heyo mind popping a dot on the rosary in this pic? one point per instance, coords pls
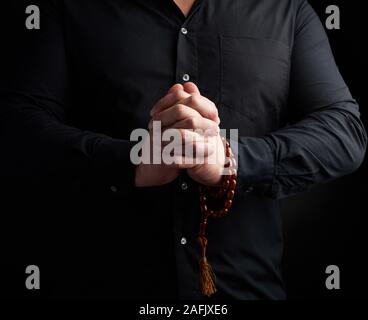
(225, 195)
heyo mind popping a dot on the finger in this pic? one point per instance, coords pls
(203, 105)
(180, 162)
(188, 143)
(176, 113)
(201, 125)
(184, 162)
(176, 87)
(169, 100)
(191, 88)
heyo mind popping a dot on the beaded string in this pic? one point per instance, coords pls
(225, 193)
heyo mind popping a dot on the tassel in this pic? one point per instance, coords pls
(206, 274)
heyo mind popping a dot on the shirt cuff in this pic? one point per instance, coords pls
(256, 165)
(111, 162)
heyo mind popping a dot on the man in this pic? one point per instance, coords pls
(95, 71)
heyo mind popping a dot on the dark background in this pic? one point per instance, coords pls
(326, 225)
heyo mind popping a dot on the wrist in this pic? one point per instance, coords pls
(138, 179)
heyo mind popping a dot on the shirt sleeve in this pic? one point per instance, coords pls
(326, 138)
(35, 139)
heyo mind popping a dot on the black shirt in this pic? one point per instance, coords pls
(91, 74)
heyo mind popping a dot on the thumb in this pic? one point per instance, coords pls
(191, 88)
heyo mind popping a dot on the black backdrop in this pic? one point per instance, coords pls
(326, 225)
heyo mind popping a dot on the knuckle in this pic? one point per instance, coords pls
(180, 109)
(215, 127)
(195, 99)
(213, 108)
(192, 122)
(178, 95)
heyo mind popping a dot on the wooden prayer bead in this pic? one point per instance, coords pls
(232, 184)
(228, 204)
(230, 195)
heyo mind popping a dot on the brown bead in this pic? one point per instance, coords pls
(230, 195)
(228, 204)
(232, 183)
(226, 184)
(215, 215)
(221, 213)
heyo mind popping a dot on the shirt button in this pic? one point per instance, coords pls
(184, 186)
(183, 241)
(184, 31)
(114, 189)
(186, 77)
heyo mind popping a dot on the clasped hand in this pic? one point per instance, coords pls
(197, 121)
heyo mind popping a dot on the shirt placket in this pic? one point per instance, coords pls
(186, 60)
(186, 63)
(185, 226)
